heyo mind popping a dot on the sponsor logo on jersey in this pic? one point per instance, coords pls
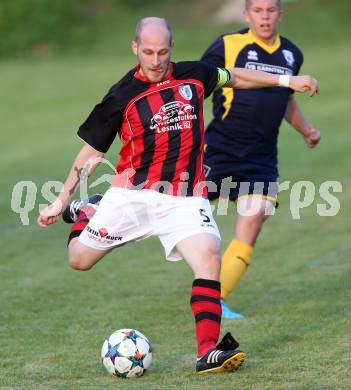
(163, 83)
(289, 56)
(268, 68)
(103, 232)
(185, 91)
(252, 55)
(173, 116)
(102, 235)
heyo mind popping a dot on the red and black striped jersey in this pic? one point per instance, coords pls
(161, 127)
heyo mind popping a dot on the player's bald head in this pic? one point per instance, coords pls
(248, 3)
(152, 25)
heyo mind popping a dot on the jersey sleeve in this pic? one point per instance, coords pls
(215, 53)
(299, 63)
(102, 125)
(211, 76)
(297, 68)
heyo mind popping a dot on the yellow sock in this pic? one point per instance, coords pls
(235, 261)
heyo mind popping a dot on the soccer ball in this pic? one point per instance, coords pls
(126, 353)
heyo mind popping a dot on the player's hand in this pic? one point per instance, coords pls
(304, 84)
(50, 214)
(312, 137)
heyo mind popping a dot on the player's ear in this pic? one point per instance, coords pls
(281, 15)
(171, 48)
(134, 47)
(246, 16)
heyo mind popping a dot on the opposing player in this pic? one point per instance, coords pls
(159, 188)
(242, 138)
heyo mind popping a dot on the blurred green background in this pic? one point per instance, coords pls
(86, 27)
(57, 59)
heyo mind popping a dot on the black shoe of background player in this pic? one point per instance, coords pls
(224, 358)
(71, 213)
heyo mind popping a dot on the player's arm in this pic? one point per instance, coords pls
(296, 119)
(241, 78)
(84, 165)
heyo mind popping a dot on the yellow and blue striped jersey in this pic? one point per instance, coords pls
(246, 123)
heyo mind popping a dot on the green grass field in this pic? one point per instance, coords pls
(295, 298)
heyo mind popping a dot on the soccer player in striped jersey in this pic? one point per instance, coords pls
(241, 140)
(159, 189)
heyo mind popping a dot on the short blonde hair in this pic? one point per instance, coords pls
(248, 3)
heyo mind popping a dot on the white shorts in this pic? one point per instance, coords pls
(128, 215)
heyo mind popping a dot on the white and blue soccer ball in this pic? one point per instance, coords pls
(127, 353)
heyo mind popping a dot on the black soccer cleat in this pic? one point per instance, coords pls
(224, 358)
(71, 212)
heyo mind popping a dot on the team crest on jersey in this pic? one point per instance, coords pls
(289, 56)
(252, 55)
(185, 91)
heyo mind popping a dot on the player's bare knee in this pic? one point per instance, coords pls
(78, 262)
(255, 208)
(210, 251)
(212, 260)
(259, 218)
(215, 257)
(206, 263)
(252, 224)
